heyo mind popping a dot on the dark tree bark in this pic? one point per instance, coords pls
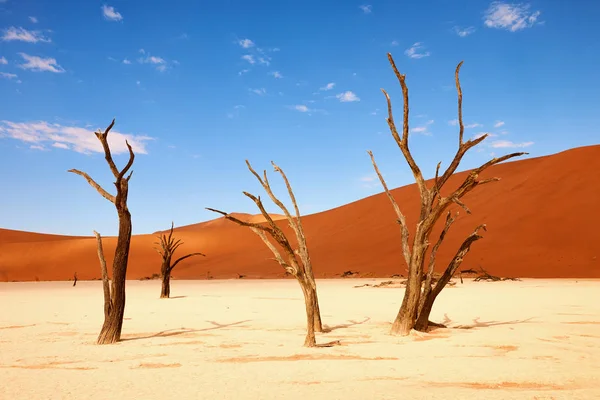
(75, 279)
(167, 248)
(296, 262)
(114, 298)
(433, 205)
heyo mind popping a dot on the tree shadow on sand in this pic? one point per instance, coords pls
(177, 297)
(327, 328)
(181, 331)
(479, 324)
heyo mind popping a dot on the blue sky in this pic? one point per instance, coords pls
(198, 87)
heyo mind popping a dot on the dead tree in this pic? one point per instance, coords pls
(301, 270)
(114, 299)
(417, 303)
(75, 279)
(168, 245)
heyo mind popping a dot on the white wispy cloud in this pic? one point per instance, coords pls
(160, 63)
(3, 61)
(81, 140)
(301, 108)
(33, 20)
(512, 17)
(347, 96)
(305, 109)
(416, 51)
(395, 43)
(246, 43)
(366, 8)
(8, 75)
(39, 64)
(329, 86)
(498, 124)
(260, 92)
(249, 58)
(453, 122)
(264, 60)
(126, 61)
(242, 72)
(276, 74)
(464, 32)
(24, 35)
(507, 144)
(110, 13)
(423, 129)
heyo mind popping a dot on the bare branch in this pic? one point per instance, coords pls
(292, 269)
(107, 155)
(461, 204)
(463, 148)
(105, 280)
(402, 81)
(449, 221)
(95, 185)
(129, 163)
(483, 182)
(459, 91)
(296, 224)
(399, 214)
(458, 259)
(238, 221)
(183, 258)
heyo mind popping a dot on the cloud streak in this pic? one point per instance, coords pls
(511, 17)
(39, 134)
(347, 97)
(366, 8)
(416, 51)
(464, 32)
(24, 35)
(39, 64)
(111, 14)
(507, 144)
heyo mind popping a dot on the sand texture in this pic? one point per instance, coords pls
(242, 339)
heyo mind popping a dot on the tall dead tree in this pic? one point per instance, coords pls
(167, 248)
(114, 298)
(420, 294)
(300, 269)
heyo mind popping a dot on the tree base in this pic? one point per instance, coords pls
(109, 335)
(401, 328)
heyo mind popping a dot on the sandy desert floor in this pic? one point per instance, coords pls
(238, 339)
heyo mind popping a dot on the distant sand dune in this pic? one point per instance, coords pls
(543, 221)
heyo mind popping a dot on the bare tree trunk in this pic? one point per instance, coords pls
(165, 291)
(75, 279)
(302, 270)
(312, 285)
(422, 323)
(310, 303)
(111, 329)
(114, 300)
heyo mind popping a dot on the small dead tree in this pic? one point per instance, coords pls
(168, 245)
(75, 279)
(420, 294)
(114, 299)
(301, 270)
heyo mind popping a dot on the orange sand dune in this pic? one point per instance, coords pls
(543, 220)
